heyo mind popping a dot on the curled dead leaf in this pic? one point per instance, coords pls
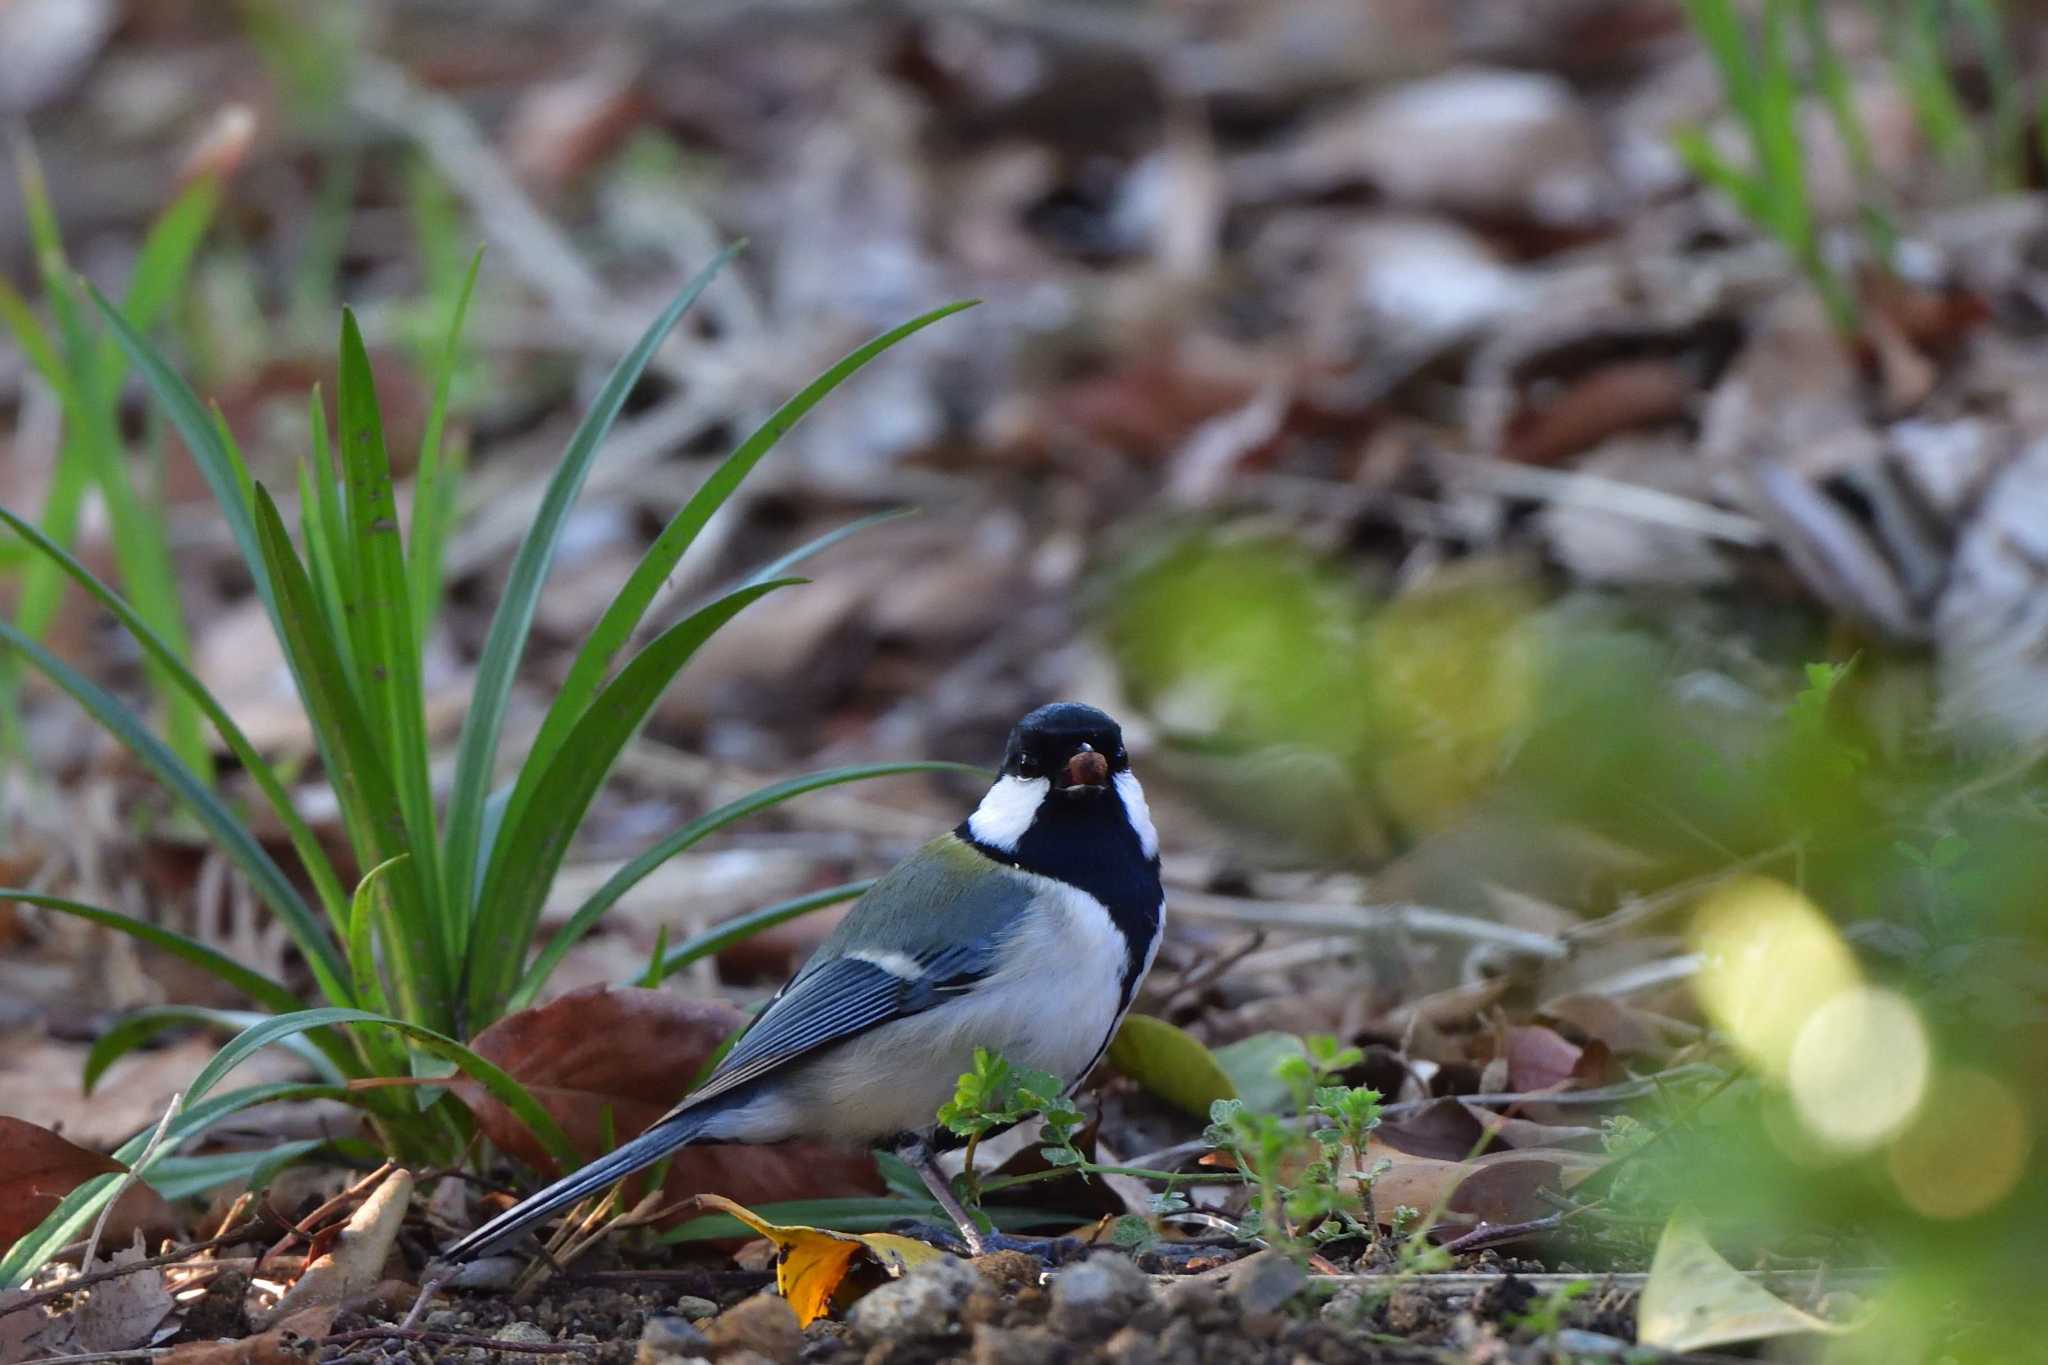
(811, 1264)
(625, 1055)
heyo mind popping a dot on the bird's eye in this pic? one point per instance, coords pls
(1027, 765)
(1122, 756)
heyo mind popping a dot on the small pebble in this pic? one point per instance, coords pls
(669, 1340)
(693, 1308)
(523, 1334)
(1018, 1346)
(924, 1303)
(763, 1324)
(1263, 1283)
(1096, 1296)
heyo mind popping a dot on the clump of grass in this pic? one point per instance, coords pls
(84, 367)
(1770, 70)
(437, 940)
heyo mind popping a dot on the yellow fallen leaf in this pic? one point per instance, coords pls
(1695, 1299)
(811, 1263)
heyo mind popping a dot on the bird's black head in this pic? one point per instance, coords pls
(1079, 748)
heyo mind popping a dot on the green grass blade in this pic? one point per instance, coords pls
(629, 876)
(202, 438)
(31, 336)
(538, 827)
(162, 267)
(776, 568)
(355, 768)
(872, 1213)
(371, 906)
(311, 854)
(431, 503)
(77, 1210)
(495, 1081)
(182, 1177)
(227, 829)
(740, 928)
(330, 550)
(1837, 90)
(2007, 136)
(1711, 168)
(262, 989)
(139, 1026)
(1719, 26)
(477, 750)
(622, 617)
(389, 671)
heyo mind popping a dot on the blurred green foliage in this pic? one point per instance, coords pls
(1477, 714)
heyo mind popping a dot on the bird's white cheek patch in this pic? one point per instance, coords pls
(1137, 812)
(1007, 811)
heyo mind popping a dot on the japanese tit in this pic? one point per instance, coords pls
(1025, 930)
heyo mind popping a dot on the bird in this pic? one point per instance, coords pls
(1025, 930)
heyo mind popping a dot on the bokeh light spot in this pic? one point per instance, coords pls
(1965, 1149)
(1770, 960)
(1859, 1067)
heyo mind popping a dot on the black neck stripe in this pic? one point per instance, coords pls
(1087, 842)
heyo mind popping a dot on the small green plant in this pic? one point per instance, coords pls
(995, 1095)
(1307, 1188)
(437, 939)
(1546, 1317)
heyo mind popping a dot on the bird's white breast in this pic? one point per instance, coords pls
(1049, 1005)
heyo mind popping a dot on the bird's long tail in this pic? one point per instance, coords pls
(677, 1130)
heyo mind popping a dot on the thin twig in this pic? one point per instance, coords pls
(306, 1227)
(434, 1338)
(1202, 975)
(172, 1257)
(133, 1174)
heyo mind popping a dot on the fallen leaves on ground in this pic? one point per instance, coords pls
(608, 1061)
(1500, 1187)
(811, 1264)
(37, 1169)
(1695, 1299)
(121, 1314)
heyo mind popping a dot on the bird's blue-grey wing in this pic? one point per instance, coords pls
(934, 926)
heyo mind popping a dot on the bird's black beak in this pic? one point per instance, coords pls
(1085, 771)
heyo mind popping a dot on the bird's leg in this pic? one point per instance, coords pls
(918, 1153)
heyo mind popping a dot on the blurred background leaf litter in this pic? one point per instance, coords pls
(1555, 491)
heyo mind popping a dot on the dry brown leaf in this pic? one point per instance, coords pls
(291, 1342)
(1626, 1030)
(37, 1169)
(1539, 1058)
(632, 1053)
(1498, 1188)
(1615, 398)
(120, 1314)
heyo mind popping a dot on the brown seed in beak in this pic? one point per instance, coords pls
(1087, 769)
